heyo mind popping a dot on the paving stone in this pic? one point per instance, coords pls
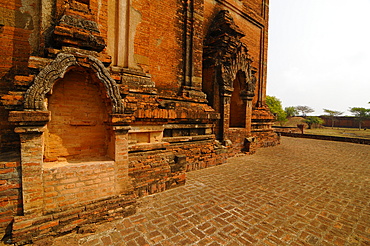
(303, 192)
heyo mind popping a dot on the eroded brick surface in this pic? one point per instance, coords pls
(303, 192)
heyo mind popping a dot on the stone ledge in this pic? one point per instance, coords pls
(188, 138)
(324, 137)
(183, 126)
(147, 146)
(31, 117)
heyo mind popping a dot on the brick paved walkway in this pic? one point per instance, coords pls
(303, 192)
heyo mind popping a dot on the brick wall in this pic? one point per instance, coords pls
(158, 47)
(10, 190)
(154, 171)
(256, 5)
(28, 229)
(262, 121)
(200, 154)
(73, 184)
(237, 137)
(266, 139)
(350, 122)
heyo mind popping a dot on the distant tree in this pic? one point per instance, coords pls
(332, 114)
(304, 110)
(361, 114)
(291, 111)
(276, 108)
(313, 120)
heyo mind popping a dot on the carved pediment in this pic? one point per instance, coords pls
(77, 28)
(224, 50)
(223, 40)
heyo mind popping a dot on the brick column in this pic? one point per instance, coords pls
(31, 125)
(248, 116)
(225, 116)
(261, 100)
(31, 164)
(120, 139)
(193, 49)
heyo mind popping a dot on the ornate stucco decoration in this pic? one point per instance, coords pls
(225, 52)
(77, 27)
(45, 80)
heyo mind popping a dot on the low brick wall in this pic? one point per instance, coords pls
(31, 228)
(200, 154)
(69, 184)
(266, 139)
(75, 195)
(280, 129)
(155, 171)
(330, 138)
(344, 121)
(237, 139)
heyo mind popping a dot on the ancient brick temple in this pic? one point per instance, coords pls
(104, 101)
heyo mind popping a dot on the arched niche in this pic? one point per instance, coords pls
(80, 95)
(78, 129)
(45, 80)
(237, 104)
(228, 79)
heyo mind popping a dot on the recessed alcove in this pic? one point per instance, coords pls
(78, 129)
(237, 105)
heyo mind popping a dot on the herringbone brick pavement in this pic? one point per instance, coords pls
(303, 192)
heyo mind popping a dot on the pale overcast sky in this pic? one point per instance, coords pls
(319, 53)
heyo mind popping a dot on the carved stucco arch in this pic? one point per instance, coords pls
(45, 80)
(225, 52)
(240, 61)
